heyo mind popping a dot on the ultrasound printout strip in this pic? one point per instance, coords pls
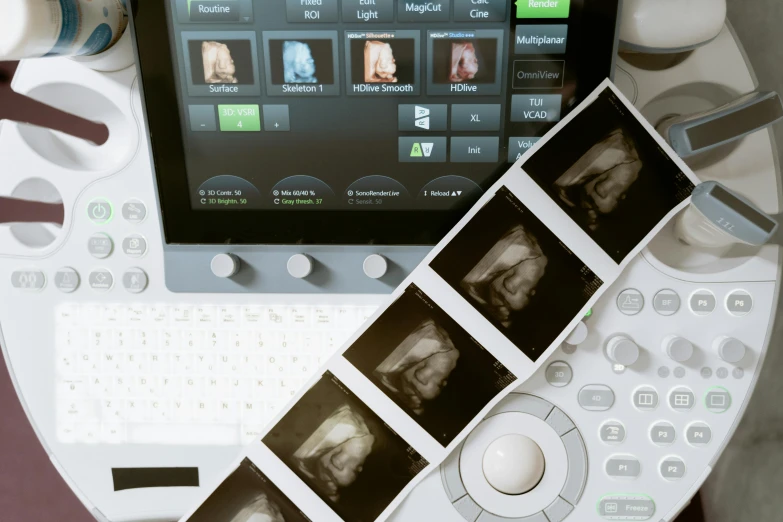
(539, 248)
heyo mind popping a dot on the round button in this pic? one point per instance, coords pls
(559, 374)
(134, 246)
(135, 280)
(134, 211)
(672, 468)
(225, 265)
(679, 372)
(702, 302)
(67, 280)
(663, 434)
(729, 349)
(677, 348)
(100, 211)
(698, 434)
(630, 301)
(681, 399)
(577, 335)
(101, 280)
(100, 246)
(375, 266)
(513, 464)
(739, 303)
(300, 265)
(717, 399)
(666, 302)
(645, 398)
(612, 432)
(622, 350)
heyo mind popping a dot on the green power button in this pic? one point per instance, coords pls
(543, 8)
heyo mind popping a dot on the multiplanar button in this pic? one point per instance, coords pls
(626, 507)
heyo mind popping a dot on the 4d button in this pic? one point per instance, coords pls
(596, 397)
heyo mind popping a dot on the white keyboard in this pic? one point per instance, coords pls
(169, 374)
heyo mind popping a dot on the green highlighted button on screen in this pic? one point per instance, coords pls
(543, 8)
(239, 118)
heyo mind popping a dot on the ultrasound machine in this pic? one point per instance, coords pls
(275, 168)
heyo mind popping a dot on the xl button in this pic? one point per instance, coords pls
(475, 117)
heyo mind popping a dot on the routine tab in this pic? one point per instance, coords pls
(311, 11)
(368, 10)
(215, 11)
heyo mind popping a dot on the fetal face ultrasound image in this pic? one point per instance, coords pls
(343, 451)
(464, 61)
(606, 171)
(221, 62)
(301, 61)
(383, 61)
(418, 356)
(247, 495)
(514, 271)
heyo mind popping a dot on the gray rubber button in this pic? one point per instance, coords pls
(135, 280)
(630, 301)
(738, 373)
(467, 508)
(739, 303)
(623, 467)
(706, 372)
(612, 432)
(101, 280)
(682, 399)
(698, 434)
(679, 372)
(645, 398)
(673, 468)
(99, 211)
(576, 478)
(663, 372)
(663, 434)
(722, 373)
(100, 246)
(134, 211)
(66, 280)
(702, 302)
(134, 246)
(717, 400)
(666, 302)
(626, 507)
(560, 422)
(29, 280)
(559, 374)
(596, 397)
(558, 510)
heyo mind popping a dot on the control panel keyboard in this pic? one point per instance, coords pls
(185, 374)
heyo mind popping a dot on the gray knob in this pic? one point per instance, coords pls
(622, 350)
(729, 349)
(225, 265)
(677, 348)
(375, 266)
(300, 265)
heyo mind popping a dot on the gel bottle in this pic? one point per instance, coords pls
(42, 28)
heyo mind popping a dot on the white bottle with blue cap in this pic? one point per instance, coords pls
(41, 28)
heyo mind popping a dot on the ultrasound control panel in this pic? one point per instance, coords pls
(364, 126)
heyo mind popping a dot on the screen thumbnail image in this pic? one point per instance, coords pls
(383, 61)
(221, 62)
(471, 60)
(301, 61)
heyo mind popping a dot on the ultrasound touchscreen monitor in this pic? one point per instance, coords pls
(353, 121)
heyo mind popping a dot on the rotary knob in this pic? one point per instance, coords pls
(375, 266)
(677, 348)
(225, 265)
(729, 349)
(577, 335)
(300, 265)
(622, 350)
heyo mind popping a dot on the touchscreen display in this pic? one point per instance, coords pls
(369, 104)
